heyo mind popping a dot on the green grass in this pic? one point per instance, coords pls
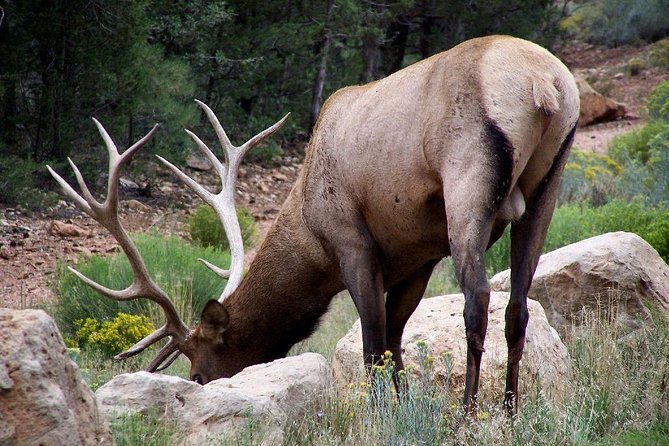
(657, 435)
(577, 221)
(334, 325)
(141, 429)
(172, 264)
(97, 368)
(616, 396)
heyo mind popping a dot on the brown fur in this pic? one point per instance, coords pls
(431, 161)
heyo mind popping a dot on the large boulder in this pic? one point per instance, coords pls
(438, 322)
(43, 399)
(594, 106)
(270, 393)
(617, 275)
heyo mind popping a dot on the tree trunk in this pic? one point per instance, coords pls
(319, 85)
(393, 50)
(8, 115)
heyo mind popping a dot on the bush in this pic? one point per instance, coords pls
(113, 336)
(644, 153)
(207, 230)
(635, 145)
(171, 262)
(658, 103)
(634, 66)
(20, 184)
(575, 222)
(588, 177)
(659, 54)
(620, 22)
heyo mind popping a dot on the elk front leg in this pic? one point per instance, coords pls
(361, 272)
(401, 302)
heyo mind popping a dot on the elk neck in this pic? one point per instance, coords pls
(288, 287)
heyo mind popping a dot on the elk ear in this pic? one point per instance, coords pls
(214, 321)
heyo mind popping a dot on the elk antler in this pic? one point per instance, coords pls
(224, 202)
(142, 286)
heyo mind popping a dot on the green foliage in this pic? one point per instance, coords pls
(658, 103)
(656, 435)
(574, 222)
(659, 54)
(644, 153)
(20, 183)
(619, 22)
(333, 326)
(634, 66)
(140, 428)
(206, 228)
(635, 145)
(171, 262)
(616, 396)
(614, 387)
(588, 177)
(113, 336)
(69, 59)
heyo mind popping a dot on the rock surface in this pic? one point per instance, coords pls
(615, 274)
(438, 321)
(43, 400)
(594, 106)
(271, 393)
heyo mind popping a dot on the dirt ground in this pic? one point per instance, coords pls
(30, 249)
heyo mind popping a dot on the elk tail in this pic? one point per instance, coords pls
(546, 96)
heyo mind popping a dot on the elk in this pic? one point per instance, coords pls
(434, 160)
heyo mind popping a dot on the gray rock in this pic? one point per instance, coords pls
(43, 399)
(616, 275)
(438, 321)
(272, 394)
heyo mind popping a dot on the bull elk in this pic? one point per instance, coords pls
(434, 160)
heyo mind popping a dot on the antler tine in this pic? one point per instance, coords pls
(107, 215)
(223, 203)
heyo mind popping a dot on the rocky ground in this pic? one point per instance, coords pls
(32, 245)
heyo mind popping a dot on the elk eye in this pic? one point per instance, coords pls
(197, 378)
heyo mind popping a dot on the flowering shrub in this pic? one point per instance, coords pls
(113, 336)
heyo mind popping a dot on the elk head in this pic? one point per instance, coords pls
(205, 344)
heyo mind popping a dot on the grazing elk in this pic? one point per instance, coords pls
(434, 160)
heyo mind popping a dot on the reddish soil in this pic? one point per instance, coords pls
(29, 253)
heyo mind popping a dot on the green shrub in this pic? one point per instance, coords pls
(658, 103)
(644, 153)
(207, 230)
(578, 221)
(113, 336)
(634, 66)
(20, 184)
(619, 22)
(635, 145)
(171, 262)
(588, 177)
(266, 152)
(659, 54)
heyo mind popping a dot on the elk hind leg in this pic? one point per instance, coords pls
(469, 235)
(527, 240)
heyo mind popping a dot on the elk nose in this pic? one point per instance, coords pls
(197, 378)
